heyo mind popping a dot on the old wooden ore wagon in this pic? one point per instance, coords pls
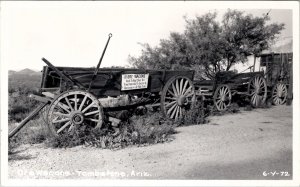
(278, 73)
(82, 97)
(228, 83)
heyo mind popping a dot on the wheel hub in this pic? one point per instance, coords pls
(181, 100)
(223, 98)
(77, 118)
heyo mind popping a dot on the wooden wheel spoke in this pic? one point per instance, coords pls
(222, 91)
(91, 113)
(180, 112)
(60, 120)
(82, 103)
(189, 95)
(171, 109)
(72, 126)
(75, 97)
(174, 112)
(188, 90)
(184, 87)
(174, 90)
(224, 105)
(261, 83)
(169, 91)
(88, 107)
(69, 104)
(91, 119)
(171, 98)
(63, 127)
(253, 98)
(226, 91)
(170, 104)
(177, 113)
(63, 106)
(221, 105)
(257, 82)
(181, 86)
(177, 87)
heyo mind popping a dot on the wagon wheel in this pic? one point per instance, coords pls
(222, 97)
(279, 94)
(178, 95)
(257, 90)
(74, 111)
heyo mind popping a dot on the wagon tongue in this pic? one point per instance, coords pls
(99, 63)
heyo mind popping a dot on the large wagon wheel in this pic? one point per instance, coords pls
(222, 97)
(74, 111)
(178, 95)
(279, 94)
(257, 90)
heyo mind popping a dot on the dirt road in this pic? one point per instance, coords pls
(253, 144)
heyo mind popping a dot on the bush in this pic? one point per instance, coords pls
(195, 115)
(139, 130)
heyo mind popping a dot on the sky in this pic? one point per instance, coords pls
(75, 33)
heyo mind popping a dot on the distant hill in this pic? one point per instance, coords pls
(23, 80)
(28, 72)
(11, 72)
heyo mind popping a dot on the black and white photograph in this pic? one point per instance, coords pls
(149, 93)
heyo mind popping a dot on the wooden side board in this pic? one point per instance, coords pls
(108, 81)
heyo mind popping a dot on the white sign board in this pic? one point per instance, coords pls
(134, 81)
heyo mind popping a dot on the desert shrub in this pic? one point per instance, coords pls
(194, 116)
(138, 130)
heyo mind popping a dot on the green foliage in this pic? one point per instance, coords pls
(210, 46)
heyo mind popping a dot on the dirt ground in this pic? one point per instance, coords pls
(253, 144)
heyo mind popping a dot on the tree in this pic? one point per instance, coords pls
(170, 54)
(211, 46)
(246, 35)
(205, 45)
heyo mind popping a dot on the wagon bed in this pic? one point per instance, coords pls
(108, 81)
